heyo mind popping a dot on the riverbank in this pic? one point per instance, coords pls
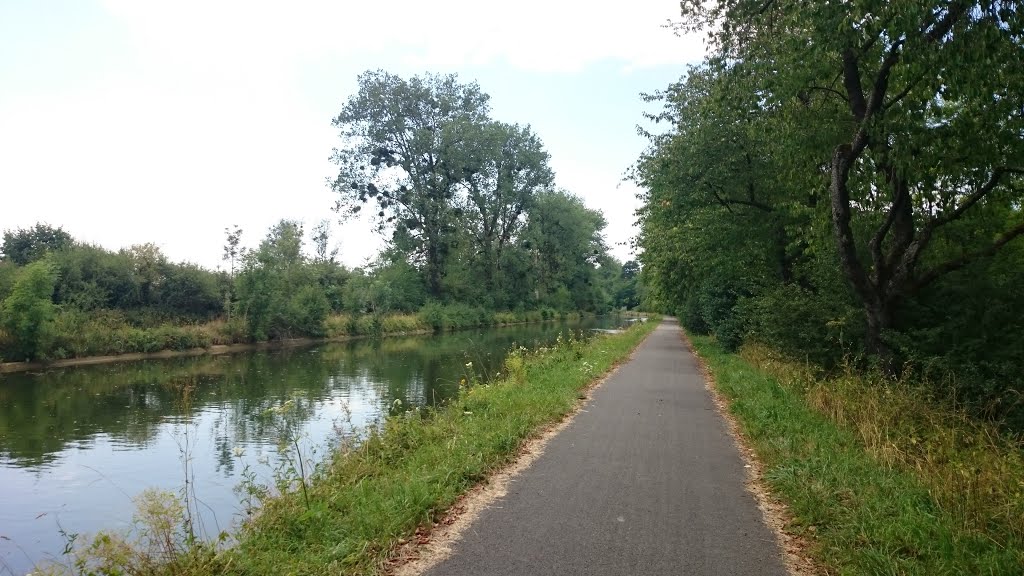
(127, 343)
(877, 476)
(391, 488)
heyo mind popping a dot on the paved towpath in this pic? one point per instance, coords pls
(645, 481)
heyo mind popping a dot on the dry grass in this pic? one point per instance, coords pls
(973, 472)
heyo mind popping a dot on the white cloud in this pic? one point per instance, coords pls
(542, 35)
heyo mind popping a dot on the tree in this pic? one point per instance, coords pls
(26, 245)
(92, 278)
(331, 275)
(277, 288)
(189, 291)
(28, 311)
(231, 254)
(231, 250)
(897, 96)
(722, 218)
(564, 243)
(148, 263)
(508, 169)
(321, 243)
(404, 151)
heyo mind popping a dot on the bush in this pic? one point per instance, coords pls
(802, 324)
(28, 312)
(307, 311)
(433, 315)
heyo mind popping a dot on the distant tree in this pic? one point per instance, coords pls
(330, 274)
(8, 274)
(323, 252)
(631, 269)
(92, 278)
(231, 255)
(231, 250)
(277, 288)
(28, 311)
(148, 263)
(564, 241)
(405, 150)
(508, 168)
(26, 245)
(190, 291)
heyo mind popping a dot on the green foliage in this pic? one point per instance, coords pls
(454, 316)
(79, 334)
(26, 245)
(189, 291)
(417, 129)
(308, 309)
(466, 202)
(564, 243)
(278, 289)
(28, 311)
(843, 181)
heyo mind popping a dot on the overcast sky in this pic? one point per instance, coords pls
(127, 121)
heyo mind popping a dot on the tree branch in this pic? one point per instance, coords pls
(842, 160)
(971, 199)
(958, 263)
(851, 81)
(831, 91)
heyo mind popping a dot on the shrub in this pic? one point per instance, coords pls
(28, 311)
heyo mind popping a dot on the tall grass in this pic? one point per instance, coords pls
(343, 325)
(974, 472)
(883, 478)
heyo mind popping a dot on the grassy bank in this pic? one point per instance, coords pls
(76, 335)
(364, 501)
(879, 477)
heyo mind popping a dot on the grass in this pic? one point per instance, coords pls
(880, 477)
(403, 476)
(345, 325)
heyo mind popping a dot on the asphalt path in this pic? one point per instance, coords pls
(645, 481)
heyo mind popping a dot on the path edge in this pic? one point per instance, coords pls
(431, 546)
(775, 513)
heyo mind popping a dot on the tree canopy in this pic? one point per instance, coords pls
(462, 198)
(833, 173)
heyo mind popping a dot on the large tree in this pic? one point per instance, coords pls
(405, 151)
(914, 112)
(508, 169)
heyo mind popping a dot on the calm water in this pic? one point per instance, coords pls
(77, 444)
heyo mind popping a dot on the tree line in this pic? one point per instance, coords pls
(468, 206)
(844, 182)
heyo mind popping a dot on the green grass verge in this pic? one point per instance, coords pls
(870, 475)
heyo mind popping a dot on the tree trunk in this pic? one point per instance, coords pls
(879, 319)
(434, 270)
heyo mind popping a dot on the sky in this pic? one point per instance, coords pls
(128, 121)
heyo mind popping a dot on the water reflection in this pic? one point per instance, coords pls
(76, 444)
